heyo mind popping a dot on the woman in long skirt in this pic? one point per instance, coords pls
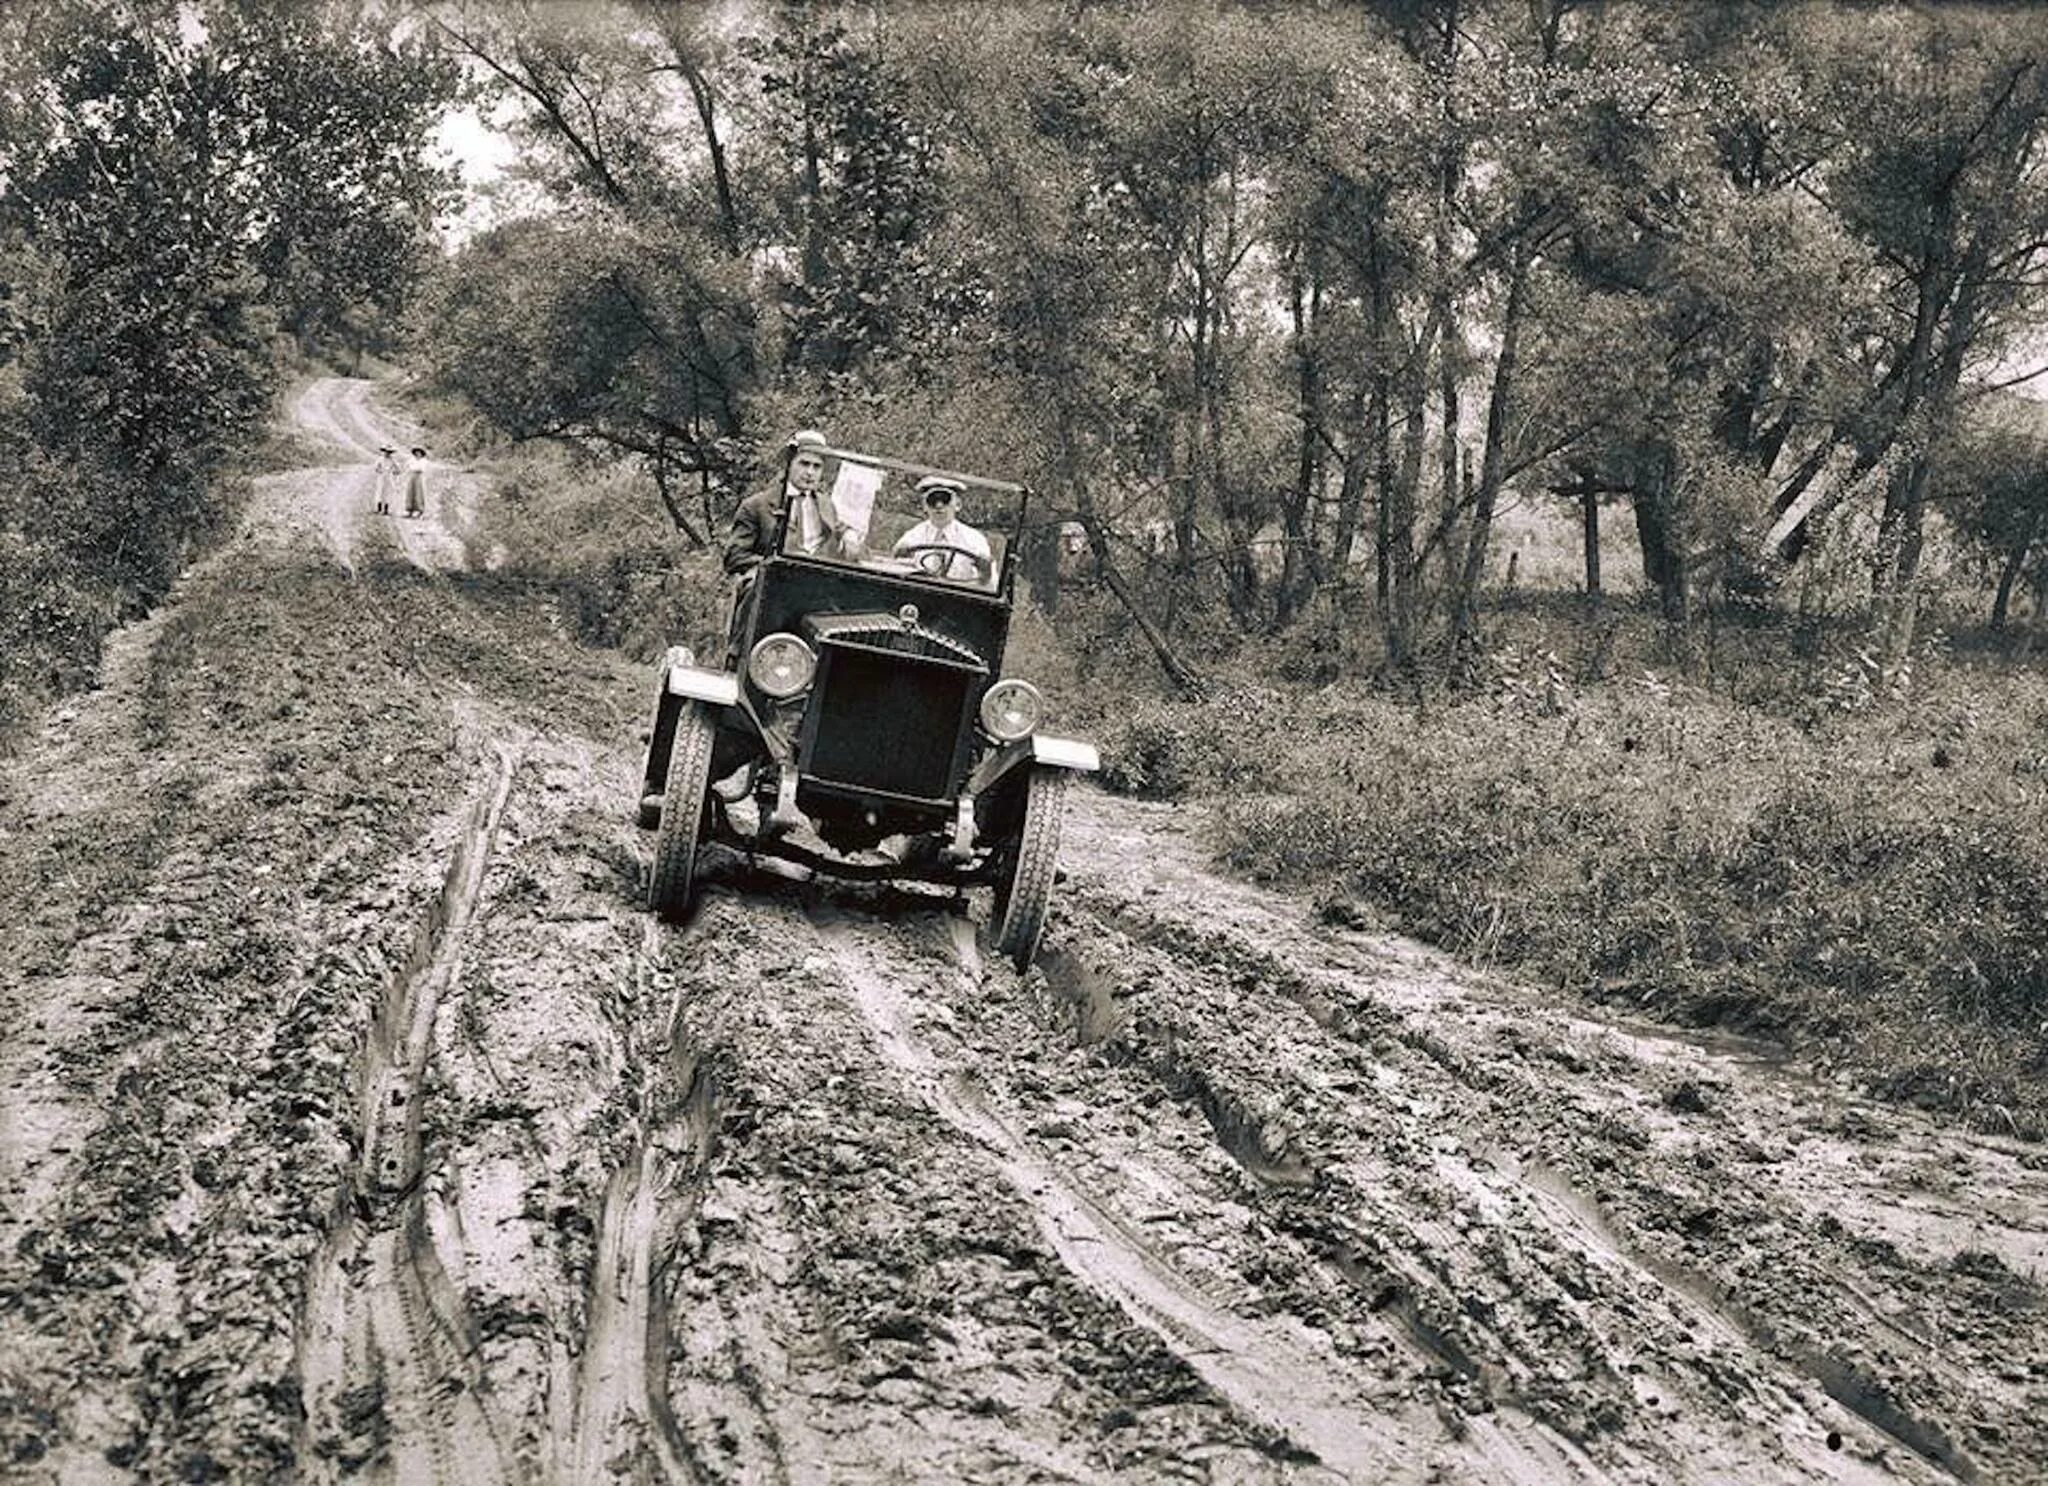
(416, 485)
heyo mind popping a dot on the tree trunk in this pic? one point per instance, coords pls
(1450, 342)
(1493, 462)
(674, 508)
(1300, 573)
(810, 230)
(1893, 609)
(1660, 531)
(1185, 679)
(1900, 537)
(721, 176)
(1404, 602)
(2009, 573)
(1449, 451)
(1043, 545)
(1351, 485)
(1394, 512)
(1180, 479)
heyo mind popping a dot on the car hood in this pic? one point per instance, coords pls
(901, 631)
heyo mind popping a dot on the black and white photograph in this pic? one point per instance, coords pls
(1241, 742)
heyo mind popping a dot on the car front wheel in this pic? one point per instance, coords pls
(1024, 881)
(684, 813)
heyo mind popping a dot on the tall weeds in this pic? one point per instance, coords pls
(1869, 886)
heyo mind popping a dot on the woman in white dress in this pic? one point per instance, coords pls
(386, 478)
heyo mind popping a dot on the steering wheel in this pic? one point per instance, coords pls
(936, 560)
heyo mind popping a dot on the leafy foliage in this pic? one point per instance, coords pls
(1292, 307)
(175, 185)
(1174, 750)
(339, 112)
(625, 338)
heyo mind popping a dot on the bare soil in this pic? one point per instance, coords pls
(355, 1120)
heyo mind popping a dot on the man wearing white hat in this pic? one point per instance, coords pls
(969, 559)
(753, 525)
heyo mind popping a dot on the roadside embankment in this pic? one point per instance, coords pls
(1869, 887)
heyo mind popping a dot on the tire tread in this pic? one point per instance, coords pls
(670, 882)
(1021, 901)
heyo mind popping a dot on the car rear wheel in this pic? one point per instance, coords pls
(1024, 883)
(684, 812)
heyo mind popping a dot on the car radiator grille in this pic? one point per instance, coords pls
(887, 722)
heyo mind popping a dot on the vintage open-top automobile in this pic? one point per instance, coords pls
(862, 724)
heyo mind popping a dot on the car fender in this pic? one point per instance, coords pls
(1064, 753)
(685, 678)
(1040, 748)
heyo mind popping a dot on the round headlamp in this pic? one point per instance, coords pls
(781, 665)
(1011, 710)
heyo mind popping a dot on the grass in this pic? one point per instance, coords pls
(1868, 884)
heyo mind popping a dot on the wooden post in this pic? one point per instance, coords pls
(1589, 514)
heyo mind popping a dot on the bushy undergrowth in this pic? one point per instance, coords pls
(598, 541)
(1870, 886)
(1163, 750)
(52, 618)
(88, 545)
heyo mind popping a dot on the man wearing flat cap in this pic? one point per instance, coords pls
(950, 547)
(812, 519)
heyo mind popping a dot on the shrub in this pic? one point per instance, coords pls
(596, 537)
(51, 624)
(1162, 750)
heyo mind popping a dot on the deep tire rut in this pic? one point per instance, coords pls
(1846, 1387)
(386, 1345)
(1258, 1368)
(622, 1411)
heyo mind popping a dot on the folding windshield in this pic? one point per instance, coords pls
(889, 516)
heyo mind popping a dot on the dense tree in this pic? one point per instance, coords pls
(850, 193)
(1294, 287)
(338, 114)
(176, 182)
(1992, 475)
(602, 335)
(1946, 182)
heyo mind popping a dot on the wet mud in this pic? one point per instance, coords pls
(361, 1124)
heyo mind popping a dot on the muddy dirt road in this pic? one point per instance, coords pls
(355, 1121)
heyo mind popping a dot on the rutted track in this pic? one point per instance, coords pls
(622, 1403)
(401, 1143)
(386, 1344)
(1289, 1381)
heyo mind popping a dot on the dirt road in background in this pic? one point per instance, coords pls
(358, 1122)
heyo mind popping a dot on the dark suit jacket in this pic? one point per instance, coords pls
(753, 527)
(753, 530)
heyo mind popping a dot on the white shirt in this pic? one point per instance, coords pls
(810, 529)
(954, 533)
